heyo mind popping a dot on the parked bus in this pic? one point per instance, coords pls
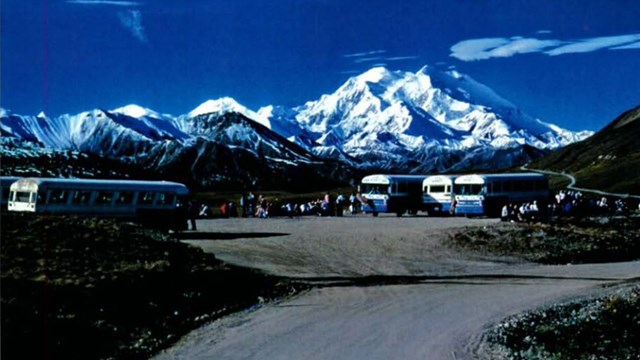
(146, 201)
(437, 194)
(486, 194)
(392, 194)
(5, 184)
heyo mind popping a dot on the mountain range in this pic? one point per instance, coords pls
(380, 120)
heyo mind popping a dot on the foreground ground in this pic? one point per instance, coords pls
(438, 301)
(85, 289)
(378, 288)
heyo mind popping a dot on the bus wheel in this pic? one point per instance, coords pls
(399, 213)
(374, 214)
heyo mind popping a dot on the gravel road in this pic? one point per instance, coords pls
(437, 309)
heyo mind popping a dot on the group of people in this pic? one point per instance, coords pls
(563, 203)
(528, 211)
(259, 206)
(573, 203)
(566, 203)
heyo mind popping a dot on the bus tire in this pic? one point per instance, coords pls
(375, 214)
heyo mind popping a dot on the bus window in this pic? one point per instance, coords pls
(81, 197)
(374, 189)
(58, 196)
(468, 189)
(146, 198)
(104, 198)
(125, 198)
(165, 198)
(437, 189)
(23, 196)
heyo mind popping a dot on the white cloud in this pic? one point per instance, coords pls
(367, 59)
(635, 45)
(476, 49)
(543, 32)
(593, 44)
(400, 58)
(487, 48)
(366, 53)
(132, 21)
(523, 46)
(104, 2)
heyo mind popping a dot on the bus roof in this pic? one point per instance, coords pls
(439, 179)
(388, 178)
(101, 184)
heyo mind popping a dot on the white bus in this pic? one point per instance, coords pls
(391, 194)
(5, 184)
(437, 194)
(486, 194)
(141, 200)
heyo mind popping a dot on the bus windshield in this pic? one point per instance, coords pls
(468, 189)
(375, 188)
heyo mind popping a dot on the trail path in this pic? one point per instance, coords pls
(572, 180)
(424, 301)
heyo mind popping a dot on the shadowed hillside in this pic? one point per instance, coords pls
(609, 160)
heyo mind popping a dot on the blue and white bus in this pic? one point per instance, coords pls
(437, 194)
(5, 184)
(486, 194)
(155, 202)
(397, 194)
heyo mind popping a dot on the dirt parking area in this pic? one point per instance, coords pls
(349, 246)
(424, 300)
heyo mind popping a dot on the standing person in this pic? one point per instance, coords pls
(340, 205)
(192, 213)
(251, 200)
(452, 209)
(352, 202)
(243, 204)
(505, 213)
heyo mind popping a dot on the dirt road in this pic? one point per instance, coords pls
(439, 311)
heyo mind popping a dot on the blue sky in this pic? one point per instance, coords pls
(574, 63)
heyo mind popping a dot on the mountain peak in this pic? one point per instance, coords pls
(136, 111)
(221, 105)
(374, 75)
(225, 105)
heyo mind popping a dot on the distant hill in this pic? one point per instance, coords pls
(609, 160)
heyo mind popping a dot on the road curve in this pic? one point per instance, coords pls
(439, 315)
(572, 183)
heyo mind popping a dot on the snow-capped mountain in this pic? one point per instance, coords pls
(393, 120)
(390, 119)
(220, 149)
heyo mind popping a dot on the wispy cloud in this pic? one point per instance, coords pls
(543, 32)
(365, 53)
(104, 2)
(132, 21)
(635, 45)
(400, 58)
(487, 48)
(367, 59)
(589, 45)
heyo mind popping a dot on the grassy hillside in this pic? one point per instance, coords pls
(609, 160)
